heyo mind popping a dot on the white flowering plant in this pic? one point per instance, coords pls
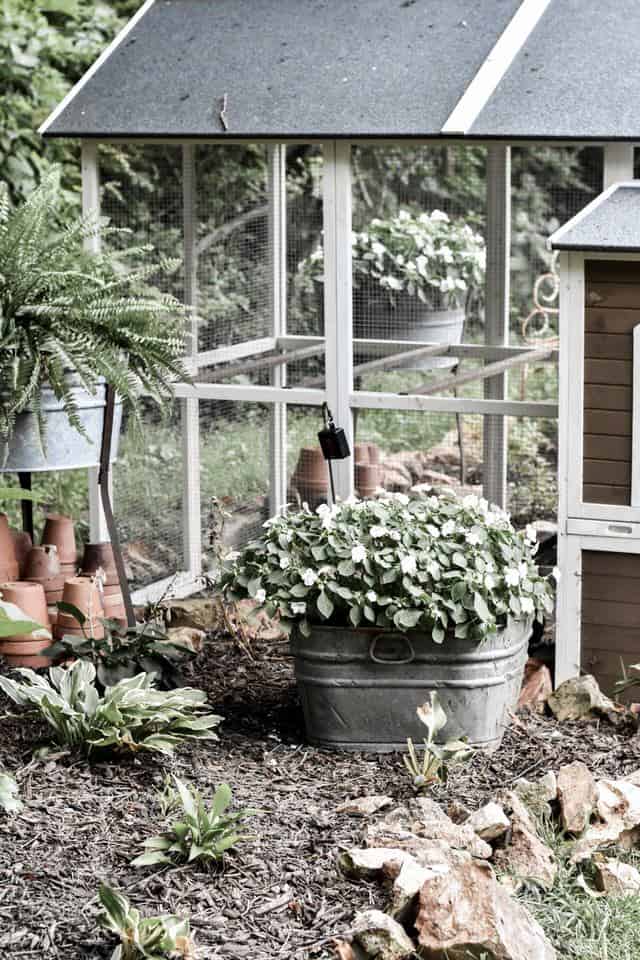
(443, 565)
(429, 256)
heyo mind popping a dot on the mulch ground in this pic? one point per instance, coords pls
(280, 895)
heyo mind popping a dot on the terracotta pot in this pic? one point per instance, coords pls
(98, 556)
(61, 630)
(9, 569)
(14, 648)
(310, 477)
(114, 607)
(59, 531)
(22, 544)
(31, 600)
(54, 596)
(42, 563)
(361, 452)
(375, 453)
(33, 663)
(367, 479)
(111, 590)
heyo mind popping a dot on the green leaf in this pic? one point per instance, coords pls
(324, 605)
(221, 799)
(481, 608)
(72, 610)
(407, 619)
(150, 859)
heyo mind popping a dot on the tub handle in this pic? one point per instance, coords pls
(385, 636)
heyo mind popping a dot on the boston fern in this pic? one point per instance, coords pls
(439, 564)
(129, 717)
(64, 311)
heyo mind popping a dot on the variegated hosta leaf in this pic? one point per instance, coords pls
(432, 715)
(154, 938)
(10, 800)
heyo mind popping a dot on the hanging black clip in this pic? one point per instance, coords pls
(333, 440)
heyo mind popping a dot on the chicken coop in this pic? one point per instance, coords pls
(307, 161)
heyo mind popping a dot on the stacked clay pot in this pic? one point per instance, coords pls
(26, 650)
(368, 471)
(98, 562)
(22, 544)
(310, 477)
(43, 566)
(58, 530)
(9, 568)
(83, 593)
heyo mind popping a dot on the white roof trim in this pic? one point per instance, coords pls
(590, 207)
(106, 53)
(508, 45)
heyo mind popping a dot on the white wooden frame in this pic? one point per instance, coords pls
(277, 193)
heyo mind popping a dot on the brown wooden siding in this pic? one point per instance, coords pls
(610, 615)
(612, 310)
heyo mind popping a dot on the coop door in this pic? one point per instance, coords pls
(606, 474)
(610, 633)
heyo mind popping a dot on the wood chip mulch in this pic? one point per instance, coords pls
(280, 895)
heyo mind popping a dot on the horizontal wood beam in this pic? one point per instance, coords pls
(236, 351)
(383, 348)
(365, 400)
(266, 363)
(483, 373)
(250, 393)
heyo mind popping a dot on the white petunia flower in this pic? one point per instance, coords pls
(378, 531)
(285, 562)
(371, 596)
(309, 577)
(526, 604)
(358, 553)
(298, 607)
(408, 564)
(511, 577)
(261, 596)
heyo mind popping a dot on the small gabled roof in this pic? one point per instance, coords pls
(610, 222)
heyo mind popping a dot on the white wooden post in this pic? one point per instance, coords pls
(618, 163)
(497, 295)
(338, 313)
(98, 532)
(189, 407)
(277, 187)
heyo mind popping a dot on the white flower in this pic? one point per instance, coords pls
(473, 538)
(448, 528)
(511, 577)
(260, 595)
(408, 564)
(470, 501)
(489, 582)
(371, 596)
(298, 607)
(395, 535)
(378, 531)
(556, 574)
(526, 604)
(437, 215)
(530, 533)
(309, 577)
(358, 553)
(523, 569)
(285, 562)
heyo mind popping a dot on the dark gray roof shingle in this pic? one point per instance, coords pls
(610, 222)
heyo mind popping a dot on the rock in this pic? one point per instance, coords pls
(373, 862)
(536, 794)
(457, 811)
(188, 637)
(618, 808)
(201, 614)
(395, 481)
(581, 698)
(615, 878)
(466, 912)
(423, 819)
(577, 795)
(364, 806)
(381, 937)
(525, 856)
(407, 886)
(489, 822)
(536, 686)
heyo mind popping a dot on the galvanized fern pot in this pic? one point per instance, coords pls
(360, 688)
(64, 447)
(409, 320)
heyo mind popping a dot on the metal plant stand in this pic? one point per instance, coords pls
(103, 484)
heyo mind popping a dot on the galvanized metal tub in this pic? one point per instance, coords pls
(360, 688)
(65, 448)
(411, 320)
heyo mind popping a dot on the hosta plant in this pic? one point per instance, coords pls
(10, 800)
(128, 717)
(439, 564)
(64, 310)
(124, 652)
(429, 256)
(143, 938)
(432, 766)
(203, 833)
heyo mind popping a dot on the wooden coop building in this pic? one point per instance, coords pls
(599, 512)
(198, 77)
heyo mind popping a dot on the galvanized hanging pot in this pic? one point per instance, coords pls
(61, 447)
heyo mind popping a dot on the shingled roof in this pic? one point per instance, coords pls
(321, 69)
(610, 222)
